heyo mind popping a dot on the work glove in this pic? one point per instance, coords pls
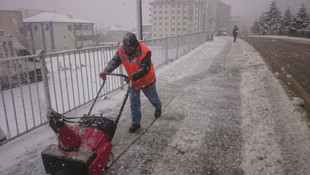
(129, 78)
(103, 75)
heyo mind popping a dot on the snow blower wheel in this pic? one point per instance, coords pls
(110, 161)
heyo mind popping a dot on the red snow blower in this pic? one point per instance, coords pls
(84, 149)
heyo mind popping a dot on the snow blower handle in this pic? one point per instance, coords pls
(102, 85)
(103, 74)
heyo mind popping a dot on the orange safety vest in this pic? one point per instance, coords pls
(133, 64)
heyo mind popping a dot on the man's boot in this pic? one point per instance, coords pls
(157, 113)
(134, 127)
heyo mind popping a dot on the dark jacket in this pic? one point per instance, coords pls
(235, 31)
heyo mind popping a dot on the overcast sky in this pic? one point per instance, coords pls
(104, 13)
(107, 13)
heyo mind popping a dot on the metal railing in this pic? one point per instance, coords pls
(64, 81)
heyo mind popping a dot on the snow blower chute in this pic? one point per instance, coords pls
(83, 149)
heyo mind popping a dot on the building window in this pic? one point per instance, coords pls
(69, 27)
(84, 38)
(35, 27)
(77, 27)
(29, 27)
(47, 28)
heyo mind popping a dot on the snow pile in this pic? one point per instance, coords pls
(303, 40)
(297, 101)
(189, 142)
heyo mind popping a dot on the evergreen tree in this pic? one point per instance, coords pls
(263, 26)
(287, 22)
(301, 21)
(273, 18)
(255, 29)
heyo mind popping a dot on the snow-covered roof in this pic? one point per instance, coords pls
(54, 17)
(117, 27)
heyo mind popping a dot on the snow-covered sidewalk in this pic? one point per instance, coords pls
(223, 112)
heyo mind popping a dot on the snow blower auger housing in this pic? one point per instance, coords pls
(83, 149)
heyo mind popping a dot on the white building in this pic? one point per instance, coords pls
(177, 17)
(52, 32)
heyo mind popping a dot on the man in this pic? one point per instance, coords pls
(136, 58)
(235, 33)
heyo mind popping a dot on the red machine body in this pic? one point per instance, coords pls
(67, 138)
(98, 142)
(85, 147)
(82, 149)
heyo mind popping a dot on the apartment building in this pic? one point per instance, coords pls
(52, 32)
(11, 22)
(223, 16)
(211, 15)
(178, 17)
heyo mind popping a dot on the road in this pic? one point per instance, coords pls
(224, 112)
(289, 59)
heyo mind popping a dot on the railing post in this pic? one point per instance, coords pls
(167, 46)
(177, 43)
(122, 82)
(44, 72)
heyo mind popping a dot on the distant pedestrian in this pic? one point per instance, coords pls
(235, 33)
(136, 58)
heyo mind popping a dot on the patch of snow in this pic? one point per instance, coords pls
(54, 17)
